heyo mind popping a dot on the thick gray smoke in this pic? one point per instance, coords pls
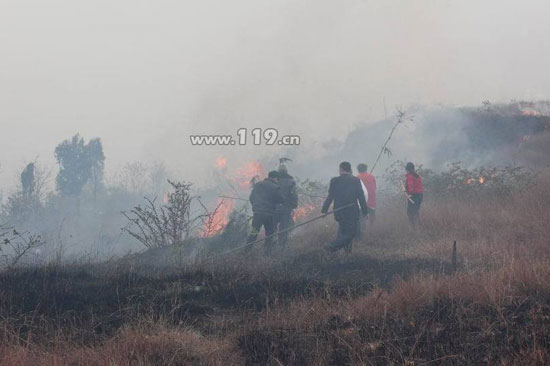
(435, 137)
(144, 75)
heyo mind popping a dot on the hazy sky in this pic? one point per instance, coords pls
(143, 75)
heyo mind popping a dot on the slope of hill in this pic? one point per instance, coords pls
(397, 300)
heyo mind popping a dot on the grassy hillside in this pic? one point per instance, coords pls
(396, 300)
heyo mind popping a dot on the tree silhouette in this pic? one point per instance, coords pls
(27, 180)
(79, 163)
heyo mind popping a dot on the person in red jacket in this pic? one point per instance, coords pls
(415, 193)
(370, 184)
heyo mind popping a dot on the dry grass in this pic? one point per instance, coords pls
(144, 345)
(396, 300)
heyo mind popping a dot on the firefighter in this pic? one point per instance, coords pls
(415, 193)
(264, 197)
(345, 190)
(283, 211)
(370, 184)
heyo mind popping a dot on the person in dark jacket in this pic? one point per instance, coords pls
(345, 190)
(264, 198)
(283, 211)
(415, 193)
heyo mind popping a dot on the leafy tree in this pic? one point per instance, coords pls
(79, 163)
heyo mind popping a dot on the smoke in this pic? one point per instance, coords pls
(436, 136)
(145, 75)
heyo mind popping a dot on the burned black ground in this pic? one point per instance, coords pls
(95, 301)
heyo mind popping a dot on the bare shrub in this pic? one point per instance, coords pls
(458, 181)
(19, 244)
(171, 223)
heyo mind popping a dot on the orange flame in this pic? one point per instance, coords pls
(480, 180)
(529, 112)
(220, 162)
(302, 211)
(246, 173)
(219, 219)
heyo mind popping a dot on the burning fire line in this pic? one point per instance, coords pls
(302, 211)
(242, 179)
(244, 175)
(218, 219)
(480, 180)
(249, 172)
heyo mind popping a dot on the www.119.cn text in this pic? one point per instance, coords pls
(257, 136)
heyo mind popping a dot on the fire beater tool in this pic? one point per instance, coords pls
(282, 231)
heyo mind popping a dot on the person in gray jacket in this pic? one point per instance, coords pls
(264, 198)
(283, 211)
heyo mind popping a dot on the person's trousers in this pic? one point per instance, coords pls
(372, 214)
(347, 230)
(283, 225)
(268, 222)
(361, 227)
(413, 208)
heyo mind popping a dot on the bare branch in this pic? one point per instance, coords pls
(385, 150)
